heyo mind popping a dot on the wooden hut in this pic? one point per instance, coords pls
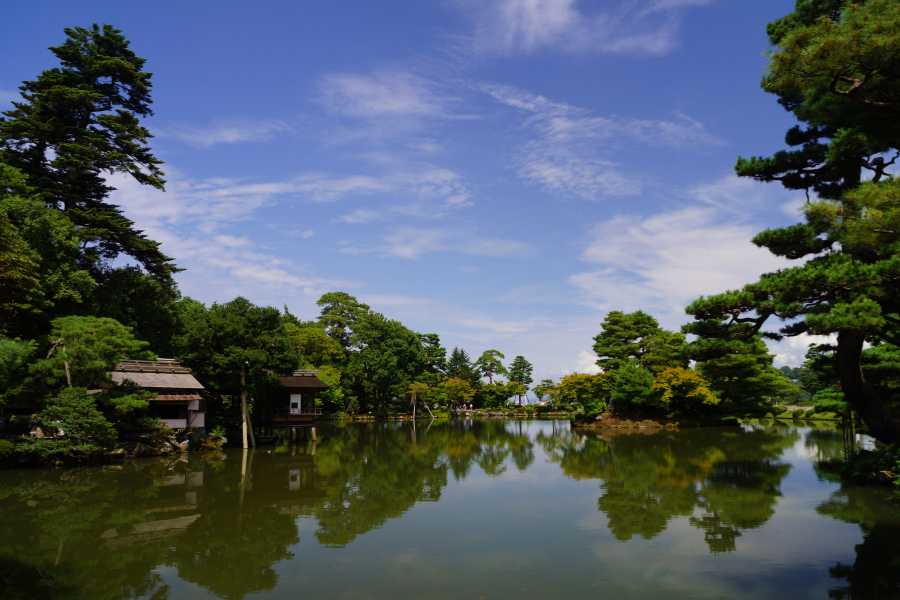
(295, 403)
(177, 401)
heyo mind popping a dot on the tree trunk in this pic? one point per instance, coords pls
(860, 396)
(244, 411)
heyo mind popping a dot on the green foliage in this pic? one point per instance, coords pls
(91, 347)
(340, 313)
(125, 402)
(229, 341)
(7, 450)
(15, 356)
(74, 412)
(683, 392)
(331, 400)
(313, 344)
(632, 389)
(458, 391)
(829, 400)
(387, 357)
(460, 366)
(77, 123)
(490, 364)
(881, 364)
(637, 336)
(495, 395)
(544, 389)
(740, 372)
(520, 371)
(833, 68)
(434, 354)
(144, 303)
(40, 271)
(585, 392)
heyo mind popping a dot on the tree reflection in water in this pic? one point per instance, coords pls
(233, 527)
(226, 524)
(723, 481)
(875, 573)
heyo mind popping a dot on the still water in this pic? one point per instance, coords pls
(460, 510)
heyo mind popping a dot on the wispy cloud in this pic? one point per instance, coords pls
(414, 242)
(232, 132)
(7, 97)
(384, 94)
(360, 216)
(640, 27)
(190, 220)
(567, 150)
(662, 262)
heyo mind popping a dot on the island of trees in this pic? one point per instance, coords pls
(82, 287)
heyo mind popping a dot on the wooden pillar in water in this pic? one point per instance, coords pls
(312, 433)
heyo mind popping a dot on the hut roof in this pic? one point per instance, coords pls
(303, 379)
(163, 373)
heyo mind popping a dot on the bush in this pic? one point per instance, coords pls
(7, 449)
(683, 392)
(585, 392)
(829, 400)
(37, 450)
(72, 415)
(632, 389)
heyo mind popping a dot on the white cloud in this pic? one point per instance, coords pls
(568, 146)
(661, 5)
(7, 97)
(207, 204)
(360, 216)
(414, 242)
(791, 351)
(641, 27)
(190, 219)
(226, 132)
(662, 262)
(586, 363)
(383, 94)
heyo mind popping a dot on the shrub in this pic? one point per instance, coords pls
(7, 448)
(632, 389)
(829, 400)
(56, 450)
(73, 416)
(585, 392)
(683, 391)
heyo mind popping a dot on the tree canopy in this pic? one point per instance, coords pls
(829, 70)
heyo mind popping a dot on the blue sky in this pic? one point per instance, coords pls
(499, 172)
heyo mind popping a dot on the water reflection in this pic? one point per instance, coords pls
(724, 481)
(875, 572)
(236, 525)
(224, 524)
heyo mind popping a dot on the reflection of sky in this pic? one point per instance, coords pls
(539, 533)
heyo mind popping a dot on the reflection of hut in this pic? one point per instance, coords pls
(295, 402)
(177, 401)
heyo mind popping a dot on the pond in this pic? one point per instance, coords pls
(483, 509)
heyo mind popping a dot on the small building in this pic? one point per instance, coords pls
(177, 401)
(296, 401)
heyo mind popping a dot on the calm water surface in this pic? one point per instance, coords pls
(471, 510)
